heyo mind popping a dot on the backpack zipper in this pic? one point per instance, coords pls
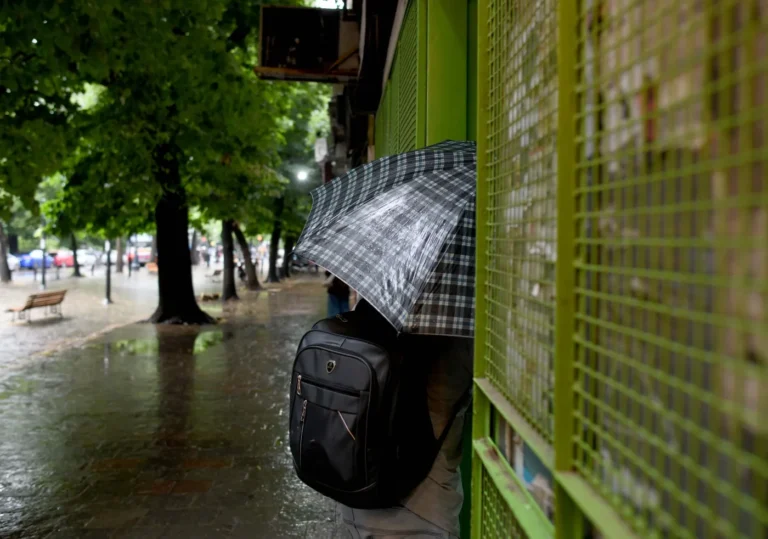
(325, 385)
(301, 436)
(353, 355)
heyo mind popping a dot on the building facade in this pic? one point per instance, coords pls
(621, 356)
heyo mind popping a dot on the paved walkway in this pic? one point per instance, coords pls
(134, 299)
(150, 432)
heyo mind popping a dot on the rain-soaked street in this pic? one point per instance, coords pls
(149, 432)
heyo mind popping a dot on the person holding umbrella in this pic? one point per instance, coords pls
(338, 294)
(400, 231)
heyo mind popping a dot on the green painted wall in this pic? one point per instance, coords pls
(446, 70)
(472, 70)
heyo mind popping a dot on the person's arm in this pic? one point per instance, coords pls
(328, 281)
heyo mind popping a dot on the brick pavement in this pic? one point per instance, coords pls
(155, 432)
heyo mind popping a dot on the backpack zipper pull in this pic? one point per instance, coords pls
(298, 386)
(304, 411)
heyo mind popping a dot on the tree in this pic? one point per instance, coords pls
(120, 248)
(177, 109)
(251, 279)
(5, 271)
(34, 96)
(75, 262)
(274, 241)
(5, 214)
(15, 220)
(193, 248)
(291, 205)
(229, 291)
(242, 190)
(297, 207)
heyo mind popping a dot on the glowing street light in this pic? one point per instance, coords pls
(302, 175)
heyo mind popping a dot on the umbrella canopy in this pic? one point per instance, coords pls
(401, 231)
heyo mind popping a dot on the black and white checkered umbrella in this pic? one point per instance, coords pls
(401, 231)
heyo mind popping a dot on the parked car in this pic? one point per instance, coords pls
(64, 259)
(112, 257)
(87, 258)
(34, 260)
(13, 262)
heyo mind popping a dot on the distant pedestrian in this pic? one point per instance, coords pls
(338, 295)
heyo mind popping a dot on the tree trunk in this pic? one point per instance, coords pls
(120, 253)
(229, 290)
(289, 242)
(13, 243)
(252, 280)
(177, 303)
(75, 263)
(5, 271)
(195, 255)
(274, 244)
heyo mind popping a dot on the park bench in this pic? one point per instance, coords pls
(215, 275)
(51, 301)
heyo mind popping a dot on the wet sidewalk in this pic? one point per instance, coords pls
(84, 313)
(175, 432)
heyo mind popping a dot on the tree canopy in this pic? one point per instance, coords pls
(147, 109)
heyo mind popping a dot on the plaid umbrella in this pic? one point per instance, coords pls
(401, 231)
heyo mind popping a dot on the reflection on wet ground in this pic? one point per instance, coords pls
(162, 432)
(84, 313)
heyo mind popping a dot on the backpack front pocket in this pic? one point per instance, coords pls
(325, 427)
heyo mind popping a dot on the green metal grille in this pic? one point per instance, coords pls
(408, 60)
(395, 104)
(662, 207)
(498, 522)
(521, 217)
(672, 264)
(400, 120)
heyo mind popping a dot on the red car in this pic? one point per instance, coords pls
(64, 259)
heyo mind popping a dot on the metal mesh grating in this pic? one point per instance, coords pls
(497, 519)
(393, 115)
(408, 59)
(672, 262)
(521, 190)
(398, 117)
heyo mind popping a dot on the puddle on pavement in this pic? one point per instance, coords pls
(182, 336)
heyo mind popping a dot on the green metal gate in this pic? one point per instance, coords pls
(401, 118)
(622, 341)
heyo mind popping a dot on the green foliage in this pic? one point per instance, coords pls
(309, 120)
(93, 89)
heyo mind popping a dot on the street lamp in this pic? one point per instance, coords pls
(108, 296)
(302, 175)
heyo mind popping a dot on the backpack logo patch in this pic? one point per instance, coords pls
(330, 366)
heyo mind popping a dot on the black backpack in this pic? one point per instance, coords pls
(360, 430)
